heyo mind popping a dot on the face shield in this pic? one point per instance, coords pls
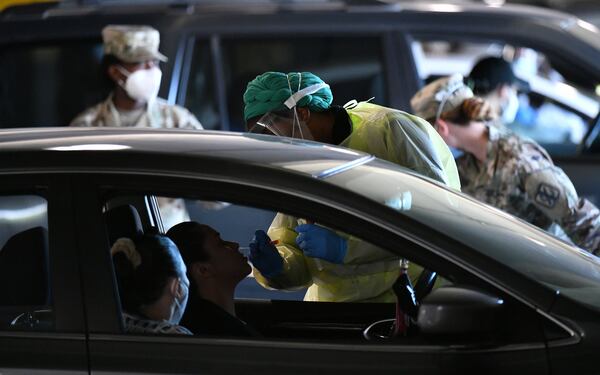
(287, 123)
(282, 125)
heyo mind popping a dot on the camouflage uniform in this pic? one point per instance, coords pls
(134, 44)
(158, 114)
(520, 178)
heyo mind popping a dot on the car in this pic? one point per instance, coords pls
(385, 50)
(516, 299)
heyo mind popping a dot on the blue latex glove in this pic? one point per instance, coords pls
(264, 256)
(319, 242)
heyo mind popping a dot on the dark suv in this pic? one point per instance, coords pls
(50, 54)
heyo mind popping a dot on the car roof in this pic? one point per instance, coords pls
(242, 147)
(50, 8)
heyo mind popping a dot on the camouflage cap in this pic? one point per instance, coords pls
(441, 95)
(131, 43)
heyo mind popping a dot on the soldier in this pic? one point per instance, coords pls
(502, 169)
(130, 62)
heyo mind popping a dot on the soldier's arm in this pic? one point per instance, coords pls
(408, 142)
(552, 192)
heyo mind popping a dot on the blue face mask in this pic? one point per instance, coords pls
(456, 152)
(509, 112)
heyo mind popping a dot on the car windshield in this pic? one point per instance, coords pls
(533, 252)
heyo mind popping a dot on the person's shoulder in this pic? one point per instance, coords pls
(134, 324)
(166, 106)
(528, 156)
(89, 116)
(183, 118)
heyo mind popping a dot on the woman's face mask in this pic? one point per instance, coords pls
(180, 303)
(509, 111)
(143, 84)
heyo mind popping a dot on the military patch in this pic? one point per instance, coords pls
(547, 195)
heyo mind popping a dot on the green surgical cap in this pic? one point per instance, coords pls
(268, 91)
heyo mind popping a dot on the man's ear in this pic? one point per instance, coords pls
(201, 269)
(115, 74)
(303, 114)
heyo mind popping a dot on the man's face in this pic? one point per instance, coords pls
(226, 260)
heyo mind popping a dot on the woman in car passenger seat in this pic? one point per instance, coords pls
(153, 285)
(215, 268)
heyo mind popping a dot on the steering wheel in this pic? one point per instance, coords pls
(384, 329)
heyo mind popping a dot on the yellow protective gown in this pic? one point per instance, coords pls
(368, 272)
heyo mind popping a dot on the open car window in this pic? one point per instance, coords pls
(294, 314)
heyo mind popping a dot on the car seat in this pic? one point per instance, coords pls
(24, 269)
(24, 284)
(122, 221)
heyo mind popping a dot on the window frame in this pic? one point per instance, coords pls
(65, 348)
(108, 348)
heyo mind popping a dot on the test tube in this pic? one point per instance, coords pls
(245, 250)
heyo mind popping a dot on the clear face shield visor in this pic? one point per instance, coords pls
(282, 125)
(287, 123)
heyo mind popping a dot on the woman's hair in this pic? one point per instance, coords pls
(471, 109)
(143, 266)
(189, 237)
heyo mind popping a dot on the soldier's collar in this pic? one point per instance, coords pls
(492, 147)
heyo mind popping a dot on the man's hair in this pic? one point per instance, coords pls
(107, 61)
(189, 237)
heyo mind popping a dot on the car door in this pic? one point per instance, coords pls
(42, 321)
(304, 336)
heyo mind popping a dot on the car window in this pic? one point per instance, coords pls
(48, 84)
(351, 65)
(200, 94)
(219, 215)
(554, 111)
(294, 314)
(25, 299)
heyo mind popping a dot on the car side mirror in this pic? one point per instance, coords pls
(459, 311)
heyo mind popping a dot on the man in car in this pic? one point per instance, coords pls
(215, 267)
(334, 266)
(130, 62)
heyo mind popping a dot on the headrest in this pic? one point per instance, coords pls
(122, 221)
(24, 269)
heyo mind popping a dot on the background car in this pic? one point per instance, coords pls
(520, 300)
(50, 54)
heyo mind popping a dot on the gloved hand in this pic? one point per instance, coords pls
(264, 256)
(319, 242)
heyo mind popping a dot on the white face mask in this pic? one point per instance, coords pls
(143, 84)
(180, 305)
(509, 112)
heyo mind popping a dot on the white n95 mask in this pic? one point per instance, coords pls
(509, 112)
(143, 84)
